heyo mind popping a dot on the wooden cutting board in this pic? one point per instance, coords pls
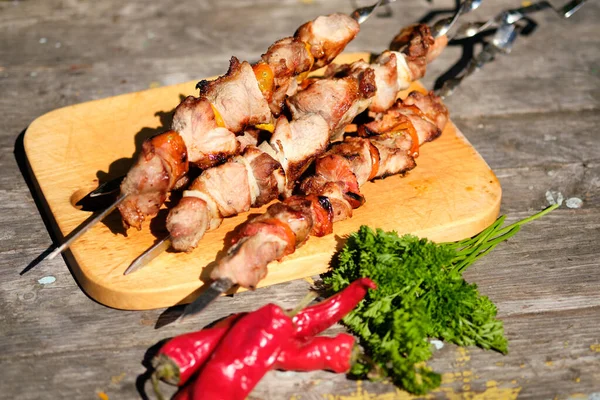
(452, 194)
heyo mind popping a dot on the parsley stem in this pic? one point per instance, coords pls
(471, 249)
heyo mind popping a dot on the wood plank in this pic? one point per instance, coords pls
(57, 342)
(442, 199)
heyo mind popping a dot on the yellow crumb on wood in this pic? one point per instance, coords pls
(102, 395)
(549, 363)
(595, 347)
(117, 378)
(500, 364)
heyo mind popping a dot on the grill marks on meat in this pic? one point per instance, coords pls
(327, 36)
(237, 97)
(162, 162)
(425, 112)
(297, 143)
(337, 173)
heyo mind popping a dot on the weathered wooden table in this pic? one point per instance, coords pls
(533, 115)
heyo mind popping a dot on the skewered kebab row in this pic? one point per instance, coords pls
(394, 71)
(247, 95)
(333, 191)
(265, 172)
(268, 170)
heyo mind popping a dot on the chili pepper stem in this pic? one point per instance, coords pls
(165, 369)
(156, 387)
(310, 296)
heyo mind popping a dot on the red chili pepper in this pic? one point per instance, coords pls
(334, 354)
(182, 356)
(185, 393)
(321, 353)
(245, 354)
(315, 319)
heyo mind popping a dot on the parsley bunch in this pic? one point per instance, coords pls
(421, 294)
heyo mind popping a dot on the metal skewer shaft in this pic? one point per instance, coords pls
(215, 289)
(73, 236)
(149, 255)
(507, 32)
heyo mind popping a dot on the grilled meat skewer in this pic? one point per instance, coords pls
(333, 191)
(270, 170)
(246, 96)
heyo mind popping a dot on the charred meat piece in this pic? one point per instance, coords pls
(271, 236)
(162, 162)
(288, 58)
(297, 143)
(237, 97)
(425, 112)
(327, 36)
(207, 142)
(187, 222)
(415, 41)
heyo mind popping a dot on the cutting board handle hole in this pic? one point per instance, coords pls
(81, 200)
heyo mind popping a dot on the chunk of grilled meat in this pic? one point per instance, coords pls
(339, 172)
(327, 36)
(237, 97)
(394, 70)
(208, 142)
(337, 100)
(162, 162)
(245, 96)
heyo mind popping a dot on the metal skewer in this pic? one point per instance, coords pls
(149, 255)
(81, 230)
(471, 29)
(507, 31)
(216, 289)
(442, 26)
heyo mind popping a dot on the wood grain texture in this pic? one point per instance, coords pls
(67, 149)
(532, 115)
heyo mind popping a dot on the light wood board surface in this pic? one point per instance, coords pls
(452, 194)
(533, 115)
